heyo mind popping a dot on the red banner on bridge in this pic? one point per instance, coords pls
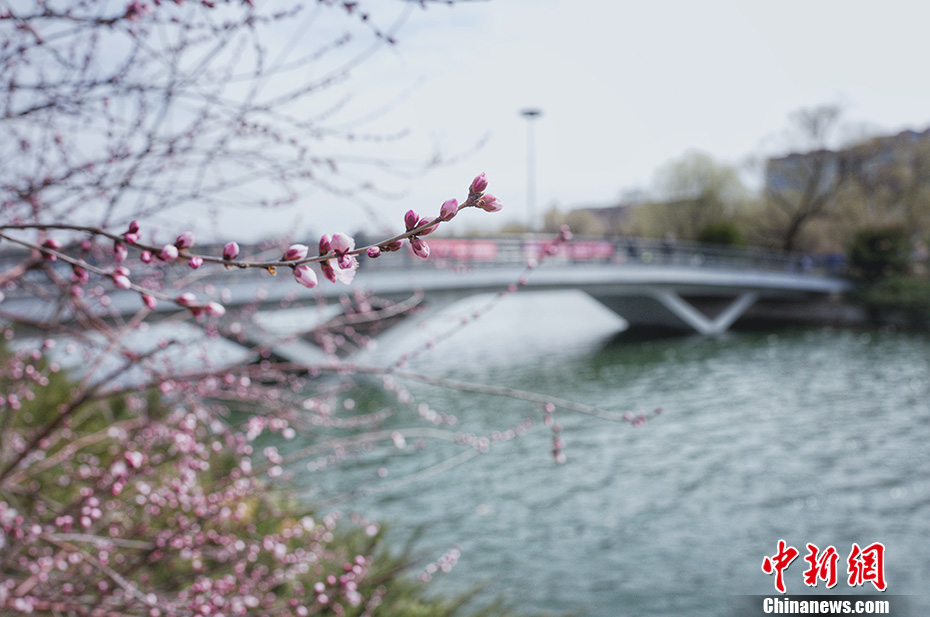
(463, 250)
(580, 250)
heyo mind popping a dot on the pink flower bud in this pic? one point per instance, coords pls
(133, 227)
(411, 219)
(53, 244)
(428, 230)
(306, 276)
(449, 209)
(135, 459)
(169, 252)
(490, 203)
(325, 244)
(214, 309)
(79, 275)
(394, 246)
(185, 240)
(120, 252)
(130, 237)
(121, 281)
(230, 250)
(146, 257)
(195, 262)
(186, 299)
(296, 252)
(479, 184)
(342, 243)
(374, 252)
(328, 271)
(565, 233)
(420, 248)
(149, 301)
(345, 275)
(121, 270)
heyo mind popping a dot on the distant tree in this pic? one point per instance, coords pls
(889, 177)
(582, 222)
(725, 233)
(801, 188)
(691, 192)
(880, 252)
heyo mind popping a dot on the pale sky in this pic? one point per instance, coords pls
(624, 87)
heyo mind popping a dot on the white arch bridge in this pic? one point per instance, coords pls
(651, 285)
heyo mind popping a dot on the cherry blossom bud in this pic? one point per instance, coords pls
(565, 233)
(185, 240)
(325, 244)
(149, 301)
(186, 299)
(490, 203)
(133, 227)
(411, 219)
(296, 252)
(121, 270)
(230, 251)
(169, 252)
(420, 248)
(146, 257)
(53, 244)
(342, 243)
(428, 230)
(120, 252)
(479, 184)
(195, 262)
(214, 309)
(79, 275)
(328, 271)
(345, 274)
(394, 246)
(374, 252)
(449, 209)
(306, 276)
(135, 459)
(130, 237)
(121, 281)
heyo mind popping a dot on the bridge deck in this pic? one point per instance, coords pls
(697, 288)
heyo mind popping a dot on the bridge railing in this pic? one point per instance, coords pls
(501, 251)
(516, 250)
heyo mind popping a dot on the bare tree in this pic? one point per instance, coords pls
(800, 188)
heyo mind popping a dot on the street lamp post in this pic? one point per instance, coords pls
(531, 114)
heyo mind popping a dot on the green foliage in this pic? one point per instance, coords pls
(692, 192)
(898, 298)
(725, 233)
(877, 253)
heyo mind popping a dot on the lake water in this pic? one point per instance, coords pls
(812, 436)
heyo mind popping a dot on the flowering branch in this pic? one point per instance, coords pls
(337, 254)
